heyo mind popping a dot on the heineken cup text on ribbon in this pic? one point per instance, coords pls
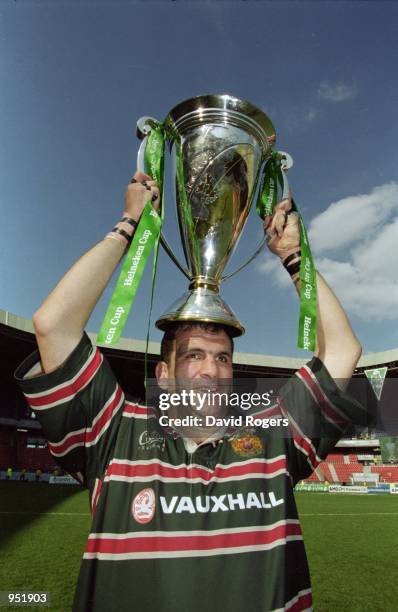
(130, 277)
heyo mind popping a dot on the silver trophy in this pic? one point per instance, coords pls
(219, 145)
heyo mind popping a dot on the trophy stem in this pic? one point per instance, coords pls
(205, 283)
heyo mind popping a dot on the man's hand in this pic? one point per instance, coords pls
(141, 189)
(282, 229)
(61, 319)
(337, 345)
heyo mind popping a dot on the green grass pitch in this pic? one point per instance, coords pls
(351, 540)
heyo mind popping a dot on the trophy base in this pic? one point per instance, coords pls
(202, 305)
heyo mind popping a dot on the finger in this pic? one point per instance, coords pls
(280, 222)
(285, 205)
(150, 184)
(139, 177)
(268, 226)
(292, 219)
(155, 194)
(156, 201)
(277, 221)
(267, 221)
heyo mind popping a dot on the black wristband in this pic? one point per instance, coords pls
(117, 230)
(290, 258)
(130, 221)
(294, 268)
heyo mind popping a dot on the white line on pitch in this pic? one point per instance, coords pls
(347, 513)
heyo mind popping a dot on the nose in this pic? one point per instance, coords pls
(209, 367)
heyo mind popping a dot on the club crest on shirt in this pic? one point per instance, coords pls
(246, 444)
(143, 506)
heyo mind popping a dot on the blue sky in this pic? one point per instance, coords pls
(75, 77)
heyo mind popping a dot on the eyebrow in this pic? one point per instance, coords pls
(183, 350)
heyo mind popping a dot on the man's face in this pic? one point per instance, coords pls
(200, 359)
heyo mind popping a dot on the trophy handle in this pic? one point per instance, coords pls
(173, 258)
(256, 252)
(286, 164)
(144, 126)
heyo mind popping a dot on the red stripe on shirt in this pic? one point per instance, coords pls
(69, 390)
(158, 543)
(192, 472)
(96, 494)
(303, 603)
(88, 435)
(138, 410)
(267, 412)
(302, 442)
(327, 407)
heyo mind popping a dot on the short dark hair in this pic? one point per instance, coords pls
(166, 345)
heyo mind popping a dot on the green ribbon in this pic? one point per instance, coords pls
(154, 166)
(308, 291)
(145, 238)
(273, 177)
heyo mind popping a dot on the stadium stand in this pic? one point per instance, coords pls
(387, 473)
(23, 446)
(342, 473)
(336, 458)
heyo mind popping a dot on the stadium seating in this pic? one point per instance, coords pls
(387, 473)
(345, 470)
(313, 478)
(325, 469)
(335, 458)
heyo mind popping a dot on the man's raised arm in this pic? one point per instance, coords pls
(60, 321)
(337, 346)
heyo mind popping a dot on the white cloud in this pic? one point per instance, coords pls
(379, 254)
(353, 218)
(337, 92)
(360, 233)
(371, 295)
(270, 265)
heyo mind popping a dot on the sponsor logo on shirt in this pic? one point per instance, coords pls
(219, 503)
(143, 506)
(151, 439)
(246, 444)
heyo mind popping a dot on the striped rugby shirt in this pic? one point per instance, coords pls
(211, 529)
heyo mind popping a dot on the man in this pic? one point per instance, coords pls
(197, 522)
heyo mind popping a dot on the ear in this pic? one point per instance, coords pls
(162, 374)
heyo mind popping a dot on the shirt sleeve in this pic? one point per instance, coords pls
(319, 414)
(79, 406)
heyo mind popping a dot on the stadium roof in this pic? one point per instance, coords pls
(247, 360)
